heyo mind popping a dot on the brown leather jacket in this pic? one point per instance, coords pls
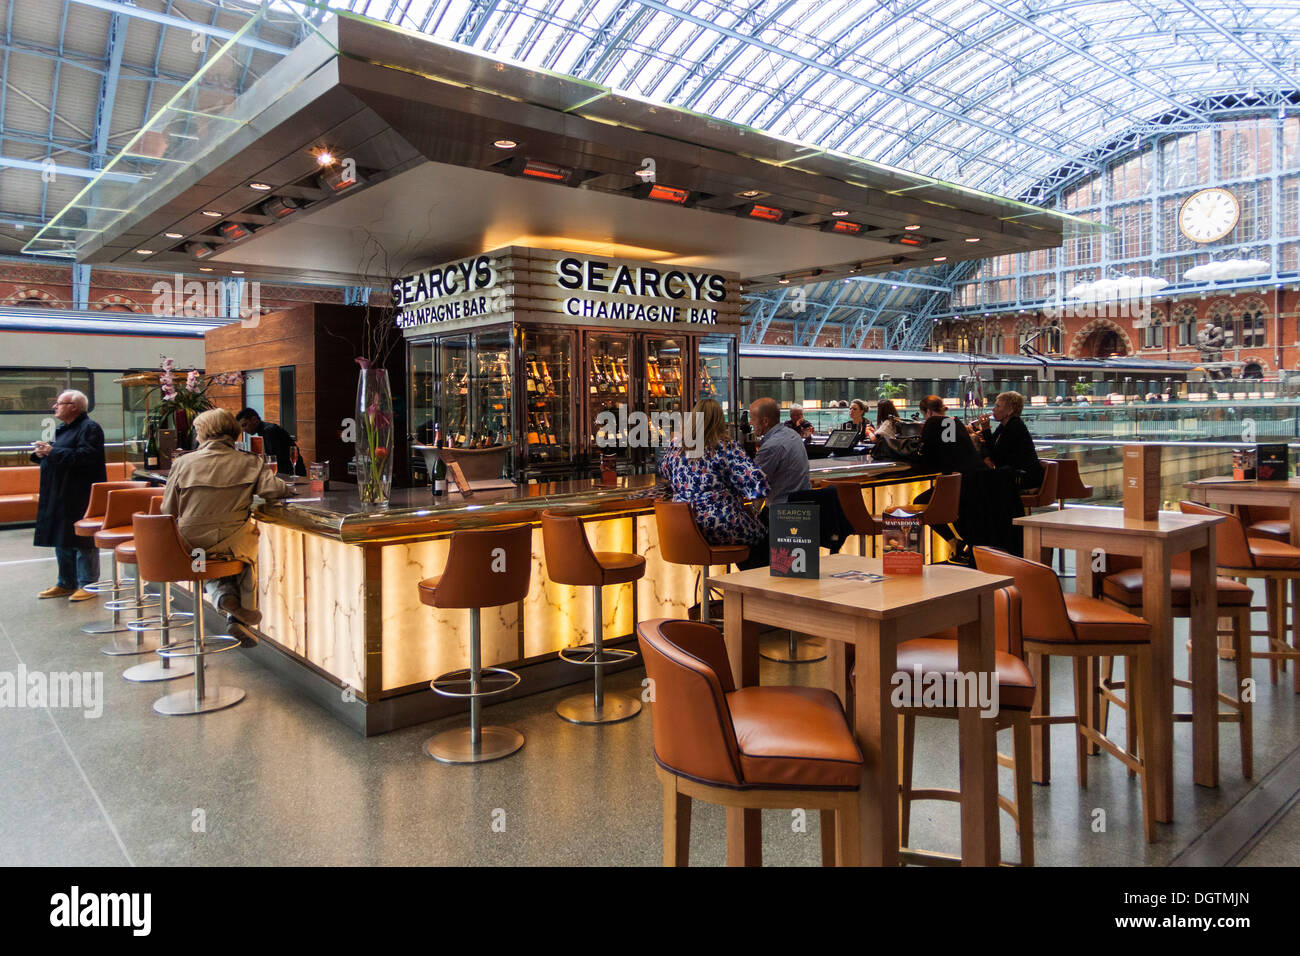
(211, 493)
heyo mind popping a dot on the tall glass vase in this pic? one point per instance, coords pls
(374, 456)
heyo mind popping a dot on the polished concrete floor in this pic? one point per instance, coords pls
(276, 780)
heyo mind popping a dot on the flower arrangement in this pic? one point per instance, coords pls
(181, 403)
(374, 434)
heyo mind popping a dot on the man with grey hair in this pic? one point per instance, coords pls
(70, 464)
(781, 454)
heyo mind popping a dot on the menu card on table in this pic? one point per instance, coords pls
(1272, 462)
(902, 540)
(794, 536)
(1141, 482)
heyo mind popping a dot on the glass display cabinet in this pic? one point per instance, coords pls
(555, 375)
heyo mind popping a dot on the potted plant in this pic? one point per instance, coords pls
(890, 390)
(182, 403)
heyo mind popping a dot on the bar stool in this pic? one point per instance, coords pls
(163, 668)
(487, 568)
(1277, 563)
(1055, 624)
(855, 510)
(1046, 495)
(942, 508)
(1016, 688)
(680, 542)
(116, 529)
(161, 556)
(93, 520)
(1266, 521)
(746, 749)
(1069, 487)
(570, 560)
(1123, 587)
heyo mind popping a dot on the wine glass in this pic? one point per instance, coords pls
(293, 458)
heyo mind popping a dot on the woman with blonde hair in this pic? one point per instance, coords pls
(211, 491)
(715, 476)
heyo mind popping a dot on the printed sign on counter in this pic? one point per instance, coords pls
(902, 540)
(794, 534)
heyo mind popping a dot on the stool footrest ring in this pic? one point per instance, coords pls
(586, 654)
(489, 677)
(130, 604)
(109, 585)
(212, 644)
(177, 619)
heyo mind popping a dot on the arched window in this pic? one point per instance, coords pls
(1153, 334)
(1250, 324)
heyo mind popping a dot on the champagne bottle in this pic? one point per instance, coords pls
(439, 466)
(151, 459)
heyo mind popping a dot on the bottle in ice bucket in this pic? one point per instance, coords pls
(439, 476)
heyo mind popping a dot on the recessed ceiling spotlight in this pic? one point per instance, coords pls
(145, 252)
(783, 280)
(236, 272)
(940, 258)
(504, 143)
(260, 187)
(205, 268)
(324, 157)
(913, 227)
(174, 235)
(751, 194)
(213, 214)
(839, 212)
(973, 239)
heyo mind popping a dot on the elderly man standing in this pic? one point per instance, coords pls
(211, 491)
(69, 466)
(781, 454)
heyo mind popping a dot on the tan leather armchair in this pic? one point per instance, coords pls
(745, 749)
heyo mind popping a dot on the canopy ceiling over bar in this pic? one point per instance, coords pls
(428, 128)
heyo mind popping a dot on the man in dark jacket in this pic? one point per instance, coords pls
(946, 446)
(69, 466)
(275, 441)
(1011, 445)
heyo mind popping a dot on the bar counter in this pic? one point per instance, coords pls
(341, 615)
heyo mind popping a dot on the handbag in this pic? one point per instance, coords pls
(904, 445)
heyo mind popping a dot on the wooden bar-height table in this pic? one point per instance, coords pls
(875, 617)
(1086, 529)
(1225, 490)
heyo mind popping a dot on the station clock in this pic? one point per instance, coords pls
(1209, 215)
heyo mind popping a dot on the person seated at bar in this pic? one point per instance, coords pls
(886, 420)
(715, 477)
(858, 422)
(781, 453)
(1006, 442)
(946, 446)
(210, 491)
(275, 441)
(801, 425)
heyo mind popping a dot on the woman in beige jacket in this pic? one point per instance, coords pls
(211, 491)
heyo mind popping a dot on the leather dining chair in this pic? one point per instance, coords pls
(745, 749)
(1278, 564)
(1055, 624)
(1046, 494)
(1123, 586)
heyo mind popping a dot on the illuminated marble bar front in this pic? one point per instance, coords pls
(337, 587)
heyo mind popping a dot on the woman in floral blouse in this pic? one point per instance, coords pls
(716, 482)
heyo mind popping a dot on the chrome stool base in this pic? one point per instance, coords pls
(456, 746)
(154, 671)
(582, 709)
(129, 648)
(105, 627)
(160, 623)
(793, 649)
(131, 604)
(185, 702)
(108, 586)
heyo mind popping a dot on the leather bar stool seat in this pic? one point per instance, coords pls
(93, 521)
(115, 529)
(1125, 587)
(487, 568)
(793, 736)
(1279, 530)
(938, 655)
(1269, 553)
(1266, 521)
(163, 557)
(1094, 621)
(570, 560)
(746, 749)
(682, 542)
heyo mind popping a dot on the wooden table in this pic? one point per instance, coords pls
(1226, 490)
(1087, 530)
(875, 618)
